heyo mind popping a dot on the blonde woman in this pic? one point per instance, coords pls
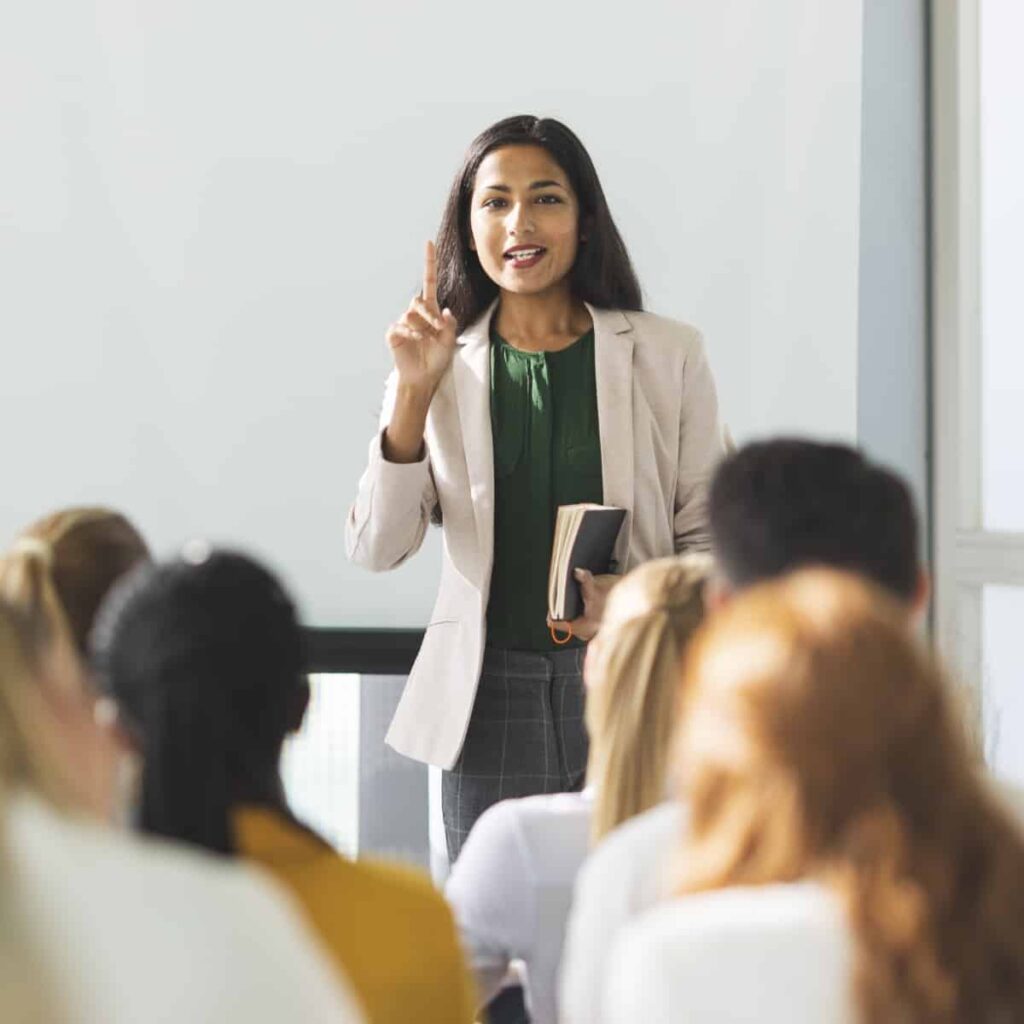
(57, 573)
(845, 858)
(97, 928)
(512, 885)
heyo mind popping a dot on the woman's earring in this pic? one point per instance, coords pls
(104, 712)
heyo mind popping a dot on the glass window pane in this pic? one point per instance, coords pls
(320, 765)
(1003, 680)
(1002, 236)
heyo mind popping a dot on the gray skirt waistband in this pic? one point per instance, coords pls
(533, 664)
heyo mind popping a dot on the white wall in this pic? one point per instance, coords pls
(216, 208)
(893, 346)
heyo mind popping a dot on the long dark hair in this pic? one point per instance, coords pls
(205, 662)
(602, 274)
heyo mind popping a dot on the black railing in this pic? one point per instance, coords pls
(381, 652)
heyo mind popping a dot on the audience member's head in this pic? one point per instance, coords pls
(819, 741)
(780, 505)
(60, 568)
(631, 673)
(204, 660)
(55, 575)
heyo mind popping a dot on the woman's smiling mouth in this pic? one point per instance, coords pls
(522, 257)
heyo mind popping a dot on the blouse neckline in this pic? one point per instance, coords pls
(543, 353)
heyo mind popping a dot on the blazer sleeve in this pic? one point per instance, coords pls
(389, 518)
(701, 445)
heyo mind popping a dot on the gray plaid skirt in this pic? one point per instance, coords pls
(526, 735)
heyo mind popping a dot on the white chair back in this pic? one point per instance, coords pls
(774, 954)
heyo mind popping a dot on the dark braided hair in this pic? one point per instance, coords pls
(204, 660)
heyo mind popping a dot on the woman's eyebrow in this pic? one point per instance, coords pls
(543, 183)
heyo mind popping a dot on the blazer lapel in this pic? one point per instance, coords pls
(472, 372)
(613, 368)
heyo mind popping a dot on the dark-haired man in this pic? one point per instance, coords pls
(776, 506)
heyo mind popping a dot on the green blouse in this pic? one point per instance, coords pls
(547, 452)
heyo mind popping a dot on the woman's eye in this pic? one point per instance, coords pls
(549, 200)
(493, 204)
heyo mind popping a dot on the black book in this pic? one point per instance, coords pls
(585, 537)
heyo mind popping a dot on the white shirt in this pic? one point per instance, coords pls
(137, 930)
(772, 954)
(625, 874)
(511, 889)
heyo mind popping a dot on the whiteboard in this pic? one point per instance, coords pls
(212, 211)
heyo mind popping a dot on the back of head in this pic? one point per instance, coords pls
(776, 506)
(819, 741)
(632, 675)
(204, 659)
(60, 568)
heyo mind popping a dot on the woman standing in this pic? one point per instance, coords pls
(558, 390)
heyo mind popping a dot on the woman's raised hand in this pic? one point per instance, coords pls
(422, 342)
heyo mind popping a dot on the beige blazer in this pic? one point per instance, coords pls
(660, 439)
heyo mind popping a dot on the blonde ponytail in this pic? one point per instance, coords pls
(633, 680)
(26, 584)
(61, 567)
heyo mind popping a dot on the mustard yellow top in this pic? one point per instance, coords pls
(388, 927)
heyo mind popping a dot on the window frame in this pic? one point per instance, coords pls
(966, 556)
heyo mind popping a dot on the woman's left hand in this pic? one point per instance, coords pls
(595, 590)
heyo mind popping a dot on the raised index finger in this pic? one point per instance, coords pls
(430, 276)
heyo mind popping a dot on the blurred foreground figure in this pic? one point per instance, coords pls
(98, 928)
(57, 573)
(774, 506)
(203, 658)
(845, 860)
